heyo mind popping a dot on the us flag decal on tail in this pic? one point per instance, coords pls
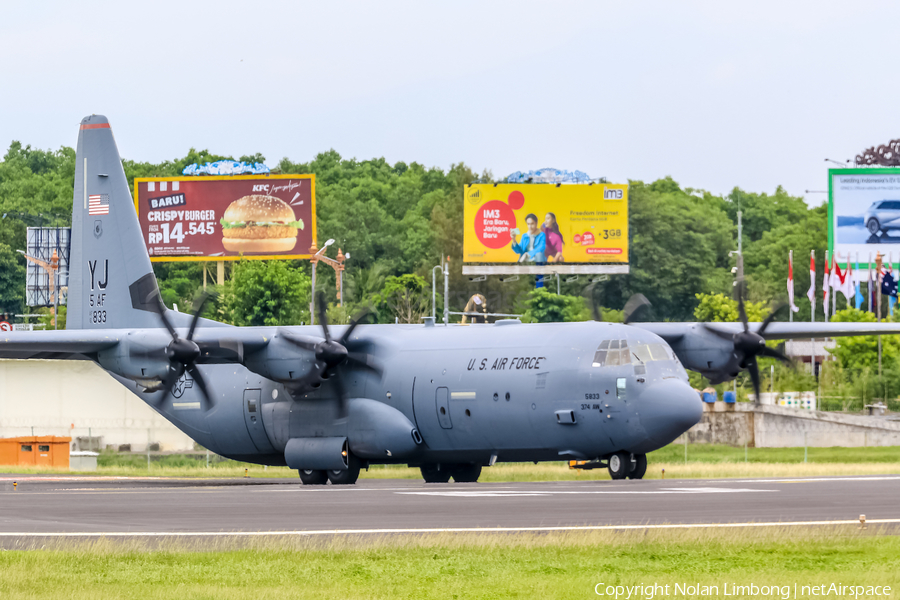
(98, 204)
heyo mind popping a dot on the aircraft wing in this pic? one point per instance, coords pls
(78, 344)
(673, 332)
(219, 344)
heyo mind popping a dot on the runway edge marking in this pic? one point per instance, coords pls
(444, 530)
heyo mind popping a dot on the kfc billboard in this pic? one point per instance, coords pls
(227, 218)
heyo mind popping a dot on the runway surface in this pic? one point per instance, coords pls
(44, 506)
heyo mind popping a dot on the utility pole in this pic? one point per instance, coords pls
(447, 292)
(315, 258)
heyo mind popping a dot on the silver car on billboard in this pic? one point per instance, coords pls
(882, 216)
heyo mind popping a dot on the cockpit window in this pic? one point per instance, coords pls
(613, 353)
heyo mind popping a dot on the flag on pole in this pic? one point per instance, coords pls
(842, 280)
(826, 281)
(859, 298)
(811, 292)
(790, 282)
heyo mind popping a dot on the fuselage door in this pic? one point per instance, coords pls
(253, 419)
(442, 405)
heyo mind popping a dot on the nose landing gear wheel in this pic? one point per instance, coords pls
(313, 477)
(434, 473)
(348, 476)
(619, 465)
(638, 466)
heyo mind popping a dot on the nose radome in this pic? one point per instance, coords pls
(670, 407)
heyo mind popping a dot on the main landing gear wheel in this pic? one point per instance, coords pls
(313, 477)
(434, 473)
(873, 226)
(347, 476)
(638, 466)
(466, 473)
(619, 465)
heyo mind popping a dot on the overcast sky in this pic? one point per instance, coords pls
(717, 95)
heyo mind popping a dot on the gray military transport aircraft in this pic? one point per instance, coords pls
(328, 401)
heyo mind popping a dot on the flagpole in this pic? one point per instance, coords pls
(869, 290)
(834, 269)
(878, 263)
(826, 280)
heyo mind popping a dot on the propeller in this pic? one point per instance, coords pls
(635, 306)
(748, 345)
(331, 354)
(182, 353)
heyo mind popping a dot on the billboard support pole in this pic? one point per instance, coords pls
(220, 272)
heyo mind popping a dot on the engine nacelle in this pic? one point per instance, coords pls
(283, 362)
(139, 356)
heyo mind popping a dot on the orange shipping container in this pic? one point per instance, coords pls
(47, 450)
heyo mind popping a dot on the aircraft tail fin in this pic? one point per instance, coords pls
(111, 281)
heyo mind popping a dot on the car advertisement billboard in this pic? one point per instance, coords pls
(545, 228)
(227, 218)
(864, 214)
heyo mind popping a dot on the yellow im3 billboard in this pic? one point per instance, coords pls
(545, 225)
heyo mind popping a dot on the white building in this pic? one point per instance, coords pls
(78, 399)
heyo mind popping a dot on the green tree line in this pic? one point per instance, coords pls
(398, 220)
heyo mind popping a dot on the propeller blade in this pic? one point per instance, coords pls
(596, 313)
(201, 383)
(162, 313)
(719, 333)
(175, 371)
(365, 361)
(199, 303)
(357, 319)
(634, 306)
(770, 318)
(772, 353)
(753, 369)
(322, 314)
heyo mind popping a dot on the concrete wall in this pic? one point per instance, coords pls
(75, 399)
(783, 427)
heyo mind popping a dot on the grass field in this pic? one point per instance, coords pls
(564, 565)
(704, 461)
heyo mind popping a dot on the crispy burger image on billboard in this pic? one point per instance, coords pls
(259, 224)
(227, 218)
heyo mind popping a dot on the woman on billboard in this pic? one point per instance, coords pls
(533, 244)
(554, 249)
